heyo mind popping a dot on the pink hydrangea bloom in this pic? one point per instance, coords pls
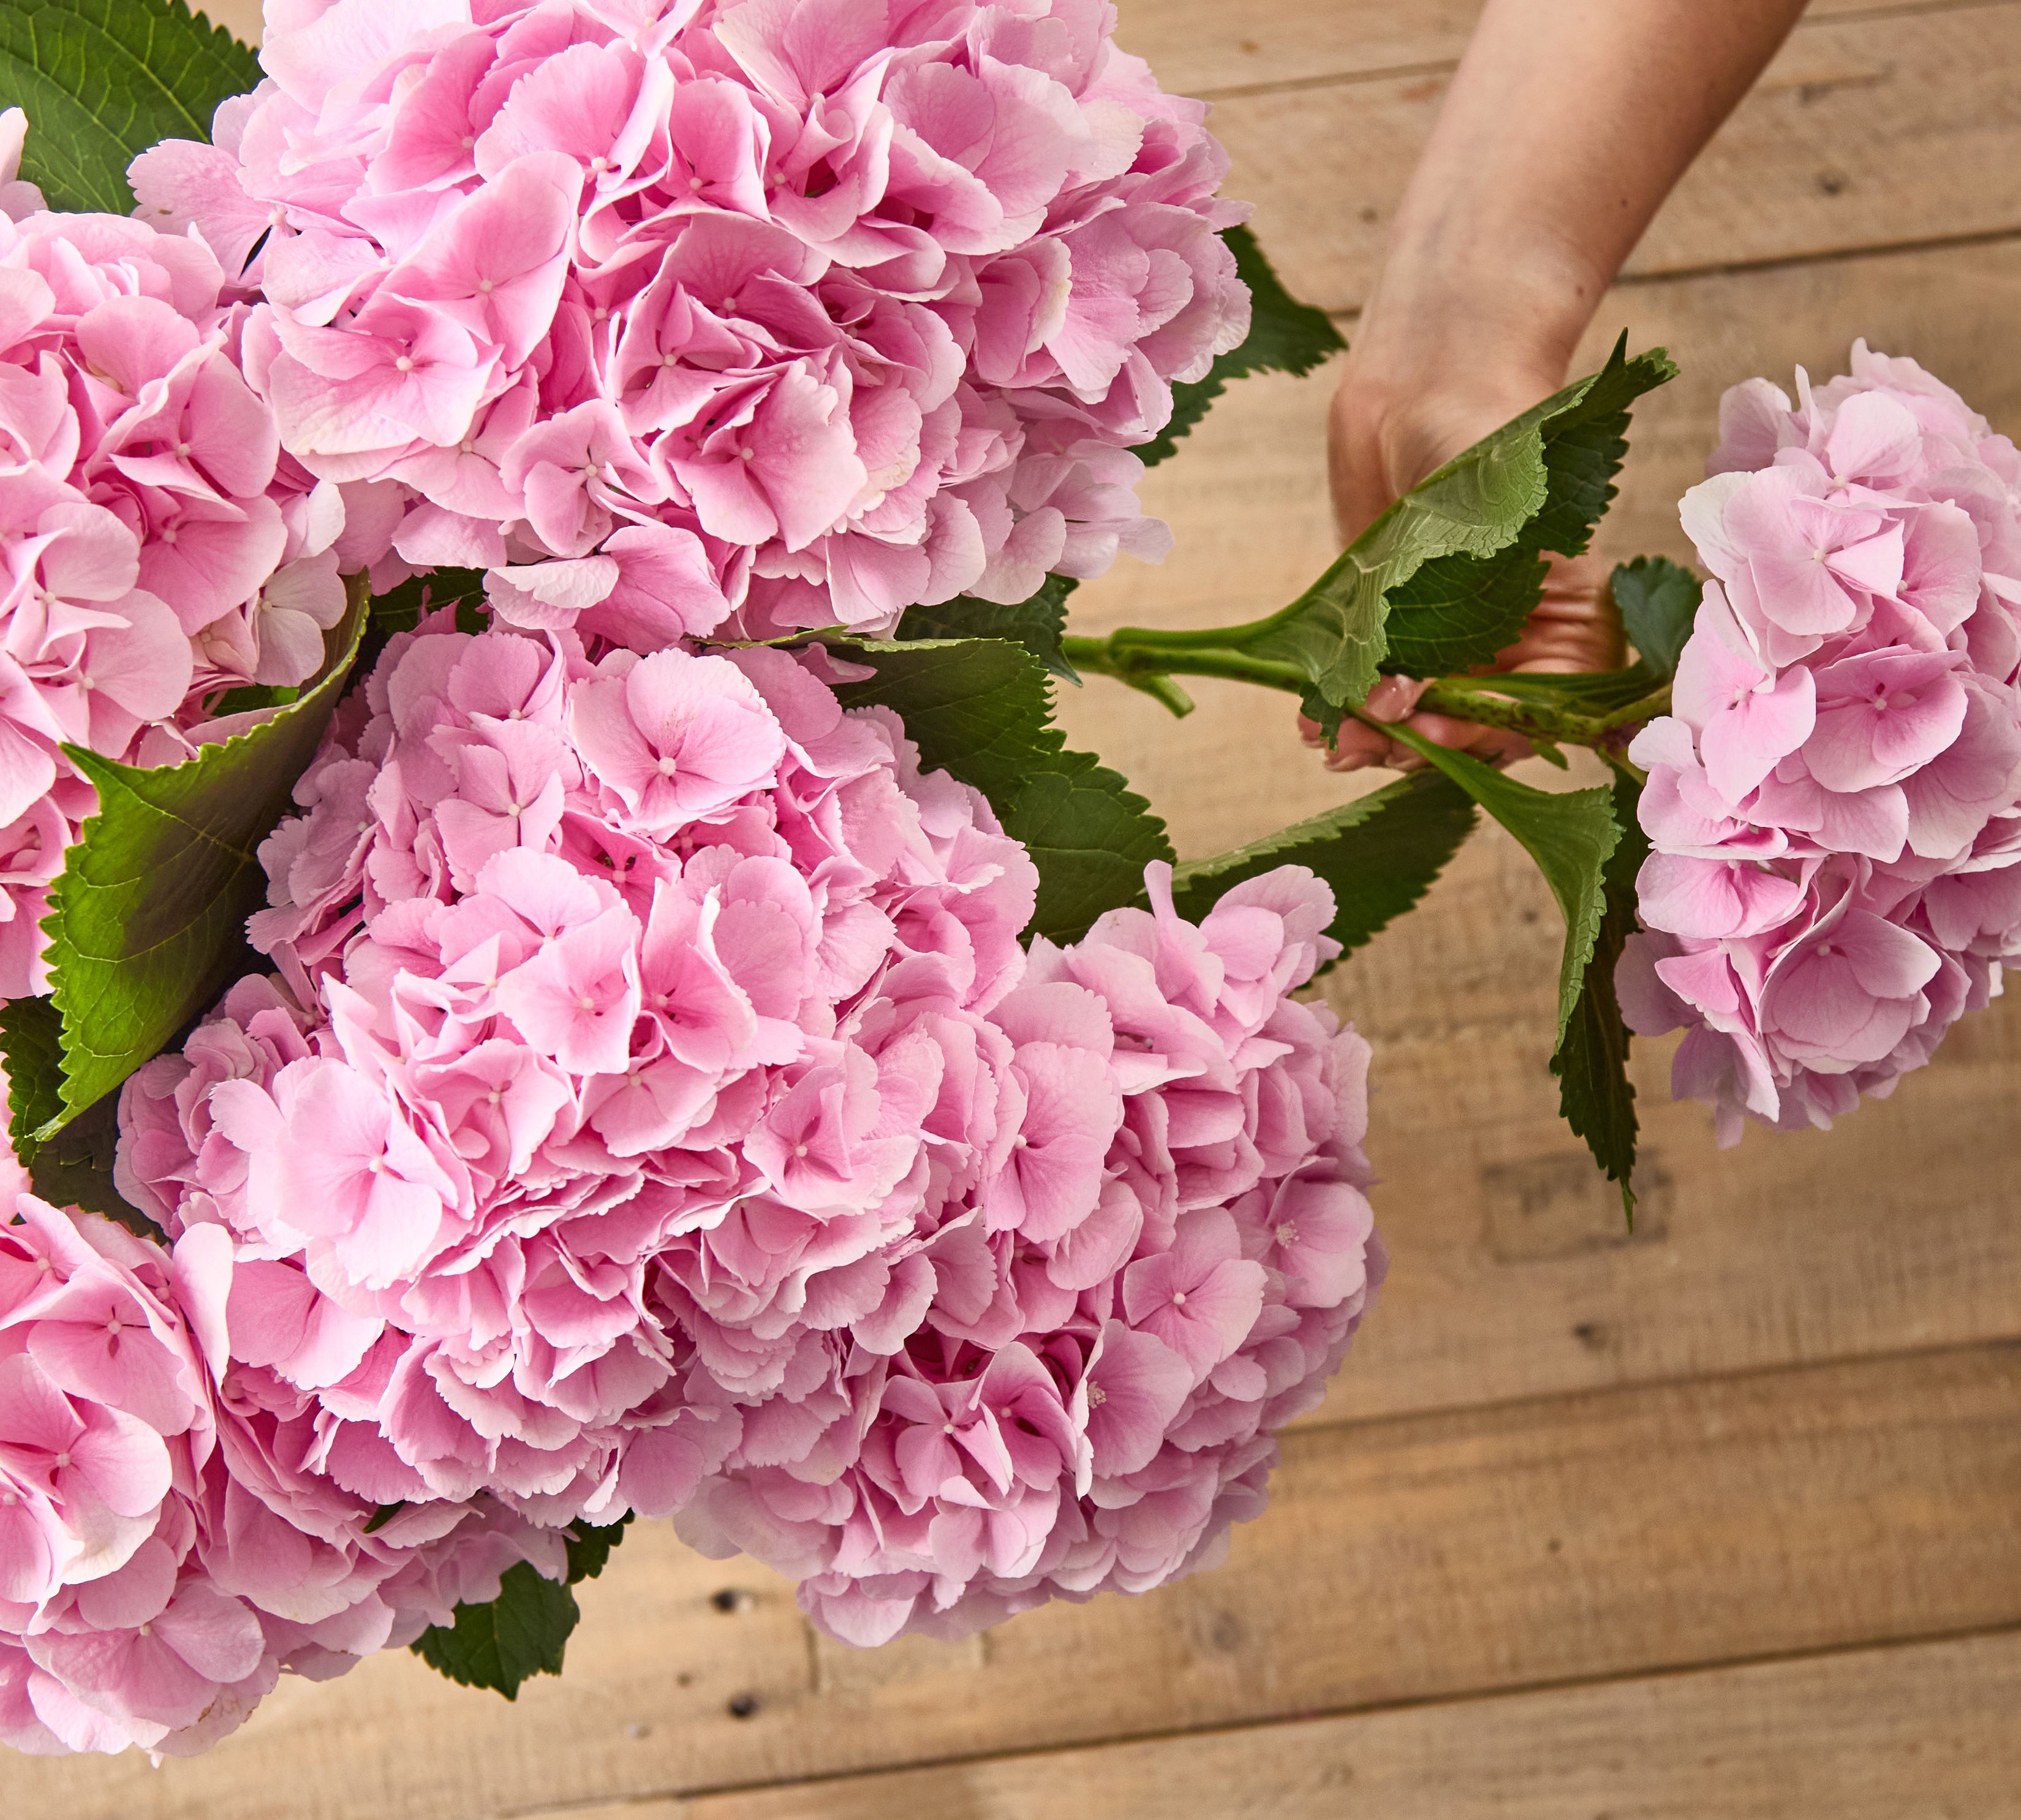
(1167, 1265)
(156, 547)
(654, 1110)
(169, 1543)
(784, 312)
(1835, 804)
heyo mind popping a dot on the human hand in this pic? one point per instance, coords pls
(1385, 435)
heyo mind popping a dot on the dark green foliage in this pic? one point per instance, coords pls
(1038, 623)
(524, 1632)
(1445, 578)
(146, 920)
(103, 80)
(1379, 853)
(1659, 600)
(981, 708)
(1594, 1093)
(1285, 336)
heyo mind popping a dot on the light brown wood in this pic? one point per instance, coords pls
(1205, 47)
(1619, 1534)
(1927, 1730)
(1865, 131)
(1785, 1417)
(1214, 47)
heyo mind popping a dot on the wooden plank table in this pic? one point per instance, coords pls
(1721, 1519)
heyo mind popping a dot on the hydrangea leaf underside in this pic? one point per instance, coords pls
(1285, 336)
(1379, 853)
(1037, 622)
(1659, 601)
(981, 708)
(1445, 578)
(148, 918)
(101, 81)
(1571, 835)
(1595, 1095)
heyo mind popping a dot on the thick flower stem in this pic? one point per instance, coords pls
(1148, 660)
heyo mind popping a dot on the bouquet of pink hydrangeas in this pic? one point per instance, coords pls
(554, 969)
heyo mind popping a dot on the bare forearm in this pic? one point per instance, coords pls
(1565, 127)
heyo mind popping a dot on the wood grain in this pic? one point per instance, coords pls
(1865, 131)
(1912, 1733)
(1618, 1533)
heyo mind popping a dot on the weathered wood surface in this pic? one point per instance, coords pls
(1422, 1558)
(1218, 48)
(1865, 131)
(1918, 1733)
(1785, 1418)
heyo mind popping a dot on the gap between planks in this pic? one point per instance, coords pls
(727, 1800)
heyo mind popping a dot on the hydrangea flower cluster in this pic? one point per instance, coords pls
(791, 313)
(1833, 803)
(157, 548)
(169, 1540)
(654, 1110)
(1168, 1265)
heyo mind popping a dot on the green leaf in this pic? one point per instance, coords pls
(103, 80)
(981, 708)
(589, 1546)
(1569, 834)
(1379, 853)
(1037, 622)
(1594, 1093)
(1445, 578)
(524, 1632)
(73, 1169)
(147, 918)
(401, 608)
(1285, 336)
(1659, 600)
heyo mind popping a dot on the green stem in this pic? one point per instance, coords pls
(1148, 659)
(1128, 663)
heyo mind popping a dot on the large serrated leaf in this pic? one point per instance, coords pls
(1037, 622)
(1285, 336)
(981, 708)
(523, 1633)
(101, 81)
(1595, 1095)
(1445, 578)
(1379, 853)
(1569, 834)
(146, 920)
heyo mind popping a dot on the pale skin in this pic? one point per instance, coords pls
(1567, 124)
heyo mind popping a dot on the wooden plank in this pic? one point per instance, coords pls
(1212, 48)
(1930, 1729)
(1623, 1532)
(1865, 131)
